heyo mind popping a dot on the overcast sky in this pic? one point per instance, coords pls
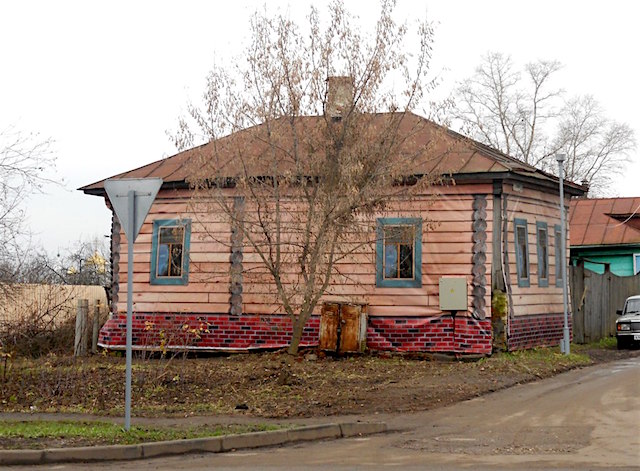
(106, 80)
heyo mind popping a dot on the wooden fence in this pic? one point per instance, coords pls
(48, 304)
(595, 299)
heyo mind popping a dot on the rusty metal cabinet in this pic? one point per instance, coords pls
(343, 327)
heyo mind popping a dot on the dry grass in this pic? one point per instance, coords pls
(272, 384)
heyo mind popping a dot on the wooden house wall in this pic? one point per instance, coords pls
(534, 206)
(446, 251)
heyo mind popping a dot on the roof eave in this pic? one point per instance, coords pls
(571, 189)
(177, 185)
(608, 246)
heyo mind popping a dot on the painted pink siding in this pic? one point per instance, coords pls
(446, 251)
(537, 312)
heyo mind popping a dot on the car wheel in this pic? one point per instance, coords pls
(622, 343)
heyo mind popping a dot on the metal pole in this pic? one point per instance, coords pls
(565, 346)
(131, 201)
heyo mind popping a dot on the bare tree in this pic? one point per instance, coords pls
(33, 267)
(524, 116)
(24, 162)
(300, 168)
(597, 148)
(86, 262)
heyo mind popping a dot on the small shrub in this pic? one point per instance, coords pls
(38, 320)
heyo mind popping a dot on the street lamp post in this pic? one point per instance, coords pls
(565, 344)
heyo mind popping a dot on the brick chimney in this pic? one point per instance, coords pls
(585, 185)
(339, 97)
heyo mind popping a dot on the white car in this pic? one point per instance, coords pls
(628, 325)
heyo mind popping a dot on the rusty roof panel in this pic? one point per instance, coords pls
(576, 234)
(615, 233)
(600, 210)
(623, 205)
(605, 221)
(581, 214)
(595, 234)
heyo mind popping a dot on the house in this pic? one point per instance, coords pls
(494, 224)
(605, 232)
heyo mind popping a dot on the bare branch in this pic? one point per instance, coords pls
(524, 117)
(312, 183)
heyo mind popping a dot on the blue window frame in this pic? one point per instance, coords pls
(399, 253)
(521, 239)
(543, 253)
(636, 263)
(170, 252)
(558, 249)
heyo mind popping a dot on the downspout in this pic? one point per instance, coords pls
(499, 302)
(505, 265)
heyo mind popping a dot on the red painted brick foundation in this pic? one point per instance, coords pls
(226, 332)
(541, 330)
(431, 334)
(208, 331)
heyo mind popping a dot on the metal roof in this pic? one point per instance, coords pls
(453, 154)
(605, 221)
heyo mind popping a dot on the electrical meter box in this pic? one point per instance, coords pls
(453, 294)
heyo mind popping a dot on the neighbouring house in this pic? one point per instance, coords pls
(494, 225)
(605, 232)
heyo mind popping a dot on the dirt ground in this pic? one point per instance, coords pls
(258, 387)
(274, 385)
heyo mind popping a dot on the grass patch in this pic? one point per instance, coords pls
(36, 433)
(549, 357)
(607, 342)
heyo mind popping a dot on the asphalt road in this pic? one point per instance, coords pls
(583, 419)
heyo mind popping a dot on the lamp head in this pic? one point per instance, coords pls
(560, 158)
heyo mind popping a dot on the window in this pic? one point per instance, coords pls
(170, 252)
(636, 263)
(543, 254)
(522, 251)
(399, 253)
(558, 247)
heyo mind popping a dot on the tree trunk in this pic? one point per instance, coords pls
(296, 335)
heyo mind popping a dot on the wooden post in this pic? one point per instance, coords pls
(80, 344)
(576, 279)
(96, 327)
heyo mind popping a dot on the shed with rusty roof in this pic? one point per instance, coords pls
(605, 233)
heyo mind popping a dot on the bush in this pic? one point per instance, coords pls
(38, 320)
(32, 339)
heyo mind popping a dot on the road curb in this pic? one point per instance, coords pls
(195, 445)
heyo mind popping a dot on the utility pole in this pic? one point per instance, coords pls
(565, 345)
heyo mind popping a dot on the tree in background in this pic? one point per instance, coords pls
(521, 114)
(87, 263)
(305, 194)
(597, 148)
(25, 160)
